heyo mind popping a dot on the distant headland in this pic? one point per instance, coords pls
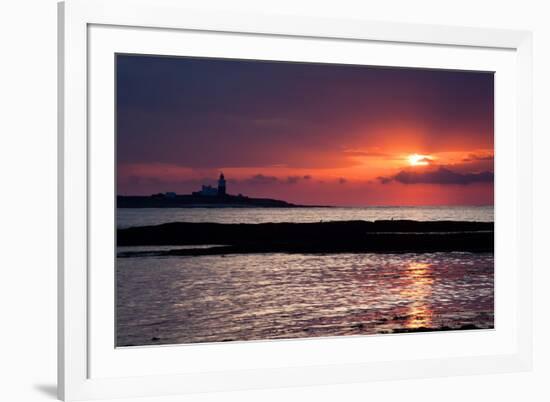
(207, 196)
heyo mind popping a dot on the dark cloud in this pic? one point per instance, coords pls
(384, 180)
(365, 153)
(426, 159)
(296, 179)
(342, 180)
(474, 158)
(440, 176)
(292, 179)
(262, 179)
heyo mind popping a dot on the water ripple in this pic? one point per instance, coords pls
(269, 296)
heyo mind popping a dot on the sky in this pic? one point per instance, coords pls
(321, 134)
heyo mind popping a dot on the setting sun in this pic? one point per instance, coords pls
(419, 160)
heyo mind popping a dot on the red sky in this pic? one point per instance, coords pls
(305, 133)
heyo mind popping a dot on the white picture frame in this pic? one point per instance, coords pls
(77, 334)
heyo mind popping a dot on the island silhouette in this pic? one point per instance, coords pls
(207, 196)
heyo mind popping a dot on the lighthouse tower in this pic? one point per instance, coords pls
(221, 185)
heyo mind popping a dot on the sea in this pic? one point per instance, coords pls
(271, 296)
(128, 217)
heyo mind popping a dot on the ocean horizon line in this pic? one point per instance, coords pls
(342, 206)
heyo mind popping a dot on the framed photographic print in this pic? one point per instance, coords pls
(253, 201)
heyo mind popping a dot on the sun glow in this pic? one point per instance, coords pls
(419, 160)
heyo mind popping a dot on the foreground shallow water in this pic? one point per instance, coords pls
(171, 300)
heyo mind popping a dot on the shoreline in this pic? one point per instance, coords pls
(357, 329)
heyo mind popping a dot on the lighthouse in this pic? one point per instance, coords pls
(221, 186)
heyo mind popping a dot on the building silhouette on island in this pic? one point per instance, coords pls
(207, 196)
(209, 191)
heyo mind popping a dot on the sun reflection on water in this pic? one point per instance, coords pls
(419, 279)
